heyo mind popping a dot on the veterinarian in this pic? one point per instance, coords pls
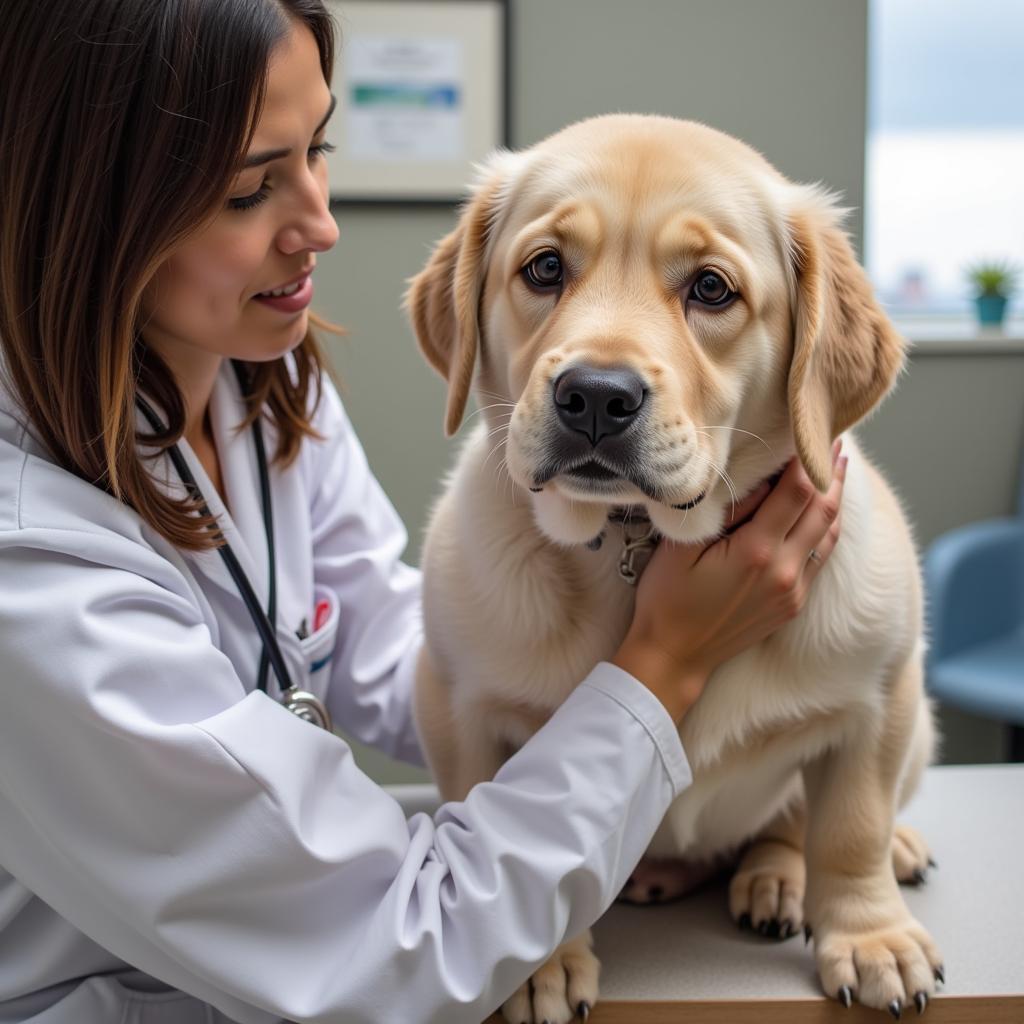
(181, 837)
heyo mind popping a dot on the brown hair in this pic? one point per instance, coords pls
(120, 134)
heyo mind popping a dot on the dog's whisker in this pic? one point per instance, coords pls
(728, 483)
(496, 405)
(496, 430)
(500, 472)
(507, 405)
(504, 440)
(509, 481)
(725, 479)
(493, 405)
(501, 469)
(495, 395)
(739, 430)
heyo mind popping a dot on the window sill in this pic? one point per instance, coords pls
(960, 336)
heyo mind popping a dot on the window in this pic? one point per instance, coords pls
(945, 147)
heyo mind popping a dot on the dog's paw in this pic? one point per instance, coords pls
(910, 857)
(890, 968)
(767, 891)
(659, 880)
(561, 989)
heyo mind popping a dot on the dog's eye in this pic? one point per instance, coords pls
(711, 289)
(545, 270)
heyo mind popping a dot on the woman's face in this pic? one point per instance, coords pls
(207, 300)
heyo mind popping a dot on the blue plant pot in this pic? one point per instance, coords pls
(991, 309)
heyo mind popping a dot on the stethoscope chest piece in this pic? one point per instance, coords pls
(307, 706)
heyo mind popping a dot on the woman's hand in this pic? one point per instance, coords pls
(699, 605)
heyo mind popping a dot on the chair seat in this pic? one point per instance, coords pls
(987, 679)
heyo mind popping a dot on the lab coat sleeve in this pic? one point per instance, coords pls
(215, 841)
(358, 541)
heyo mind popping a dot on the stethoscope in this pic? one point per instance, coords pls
(305, 705)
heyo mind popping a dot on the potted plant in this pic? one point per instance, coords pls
(994, 282)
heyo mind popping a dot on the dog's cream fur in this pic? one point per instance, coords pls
(802, 747)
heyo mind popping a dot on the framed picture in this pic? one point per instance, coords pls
(422, 90)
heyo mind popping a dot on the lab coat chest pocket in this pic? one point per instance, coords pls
(318, 648)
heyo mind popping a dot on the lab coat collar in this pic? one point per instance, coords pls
(243, 525)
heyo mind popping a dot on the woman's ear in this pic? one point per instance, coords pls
(846, 352)
(443, 299)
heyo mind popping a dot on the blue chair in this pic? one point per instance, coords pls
(974, 583)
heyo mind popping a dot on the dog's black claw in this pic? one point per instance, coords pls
(584, 1011)
(921, 1002)
(931, 863)
(774, 929)
(919, 877)
(655, 893)
(845, 996)
(807, 934)
(940, 974)
(744, 922)
(894, 1008)
(787, 931)
(762, 928)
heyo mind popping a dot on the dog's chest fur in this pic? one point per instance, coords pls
(553, 613)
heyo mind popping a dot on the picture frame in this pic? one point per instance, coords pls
(422, 95)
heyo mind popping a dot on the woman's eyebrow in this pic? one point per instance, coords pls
(255, 159)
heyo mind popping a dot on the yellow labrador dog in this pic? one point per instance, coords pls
(656, 321)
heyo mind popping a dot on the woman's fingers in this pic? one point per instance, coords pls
(748, 506)
(783, 508)
(823, 549)
(811, 531)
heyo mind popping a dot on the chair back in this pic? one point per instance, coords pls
(1020, 483)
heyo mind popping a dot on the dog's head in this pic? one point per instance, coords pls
(664, 316)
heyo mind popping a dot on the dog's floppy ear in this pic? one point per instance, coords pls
(846, 353)
(443, 299)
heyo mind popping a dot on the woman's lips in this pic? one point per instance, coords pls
(293, 303)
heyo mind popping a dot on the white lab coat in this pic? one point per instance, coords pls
(175, 846)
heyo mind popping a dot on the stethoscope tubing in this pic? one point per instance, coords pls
(271, 655)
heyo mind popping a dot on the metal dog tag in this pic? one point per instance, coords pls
(631, 548)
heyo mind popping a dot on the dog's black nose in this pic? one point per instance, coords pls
(598, 402)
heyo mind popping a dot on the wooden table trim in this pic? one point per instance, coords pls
(941, 1010)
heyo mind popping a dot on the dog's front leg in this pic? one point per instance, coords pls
(868, 946)
(460, 750)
